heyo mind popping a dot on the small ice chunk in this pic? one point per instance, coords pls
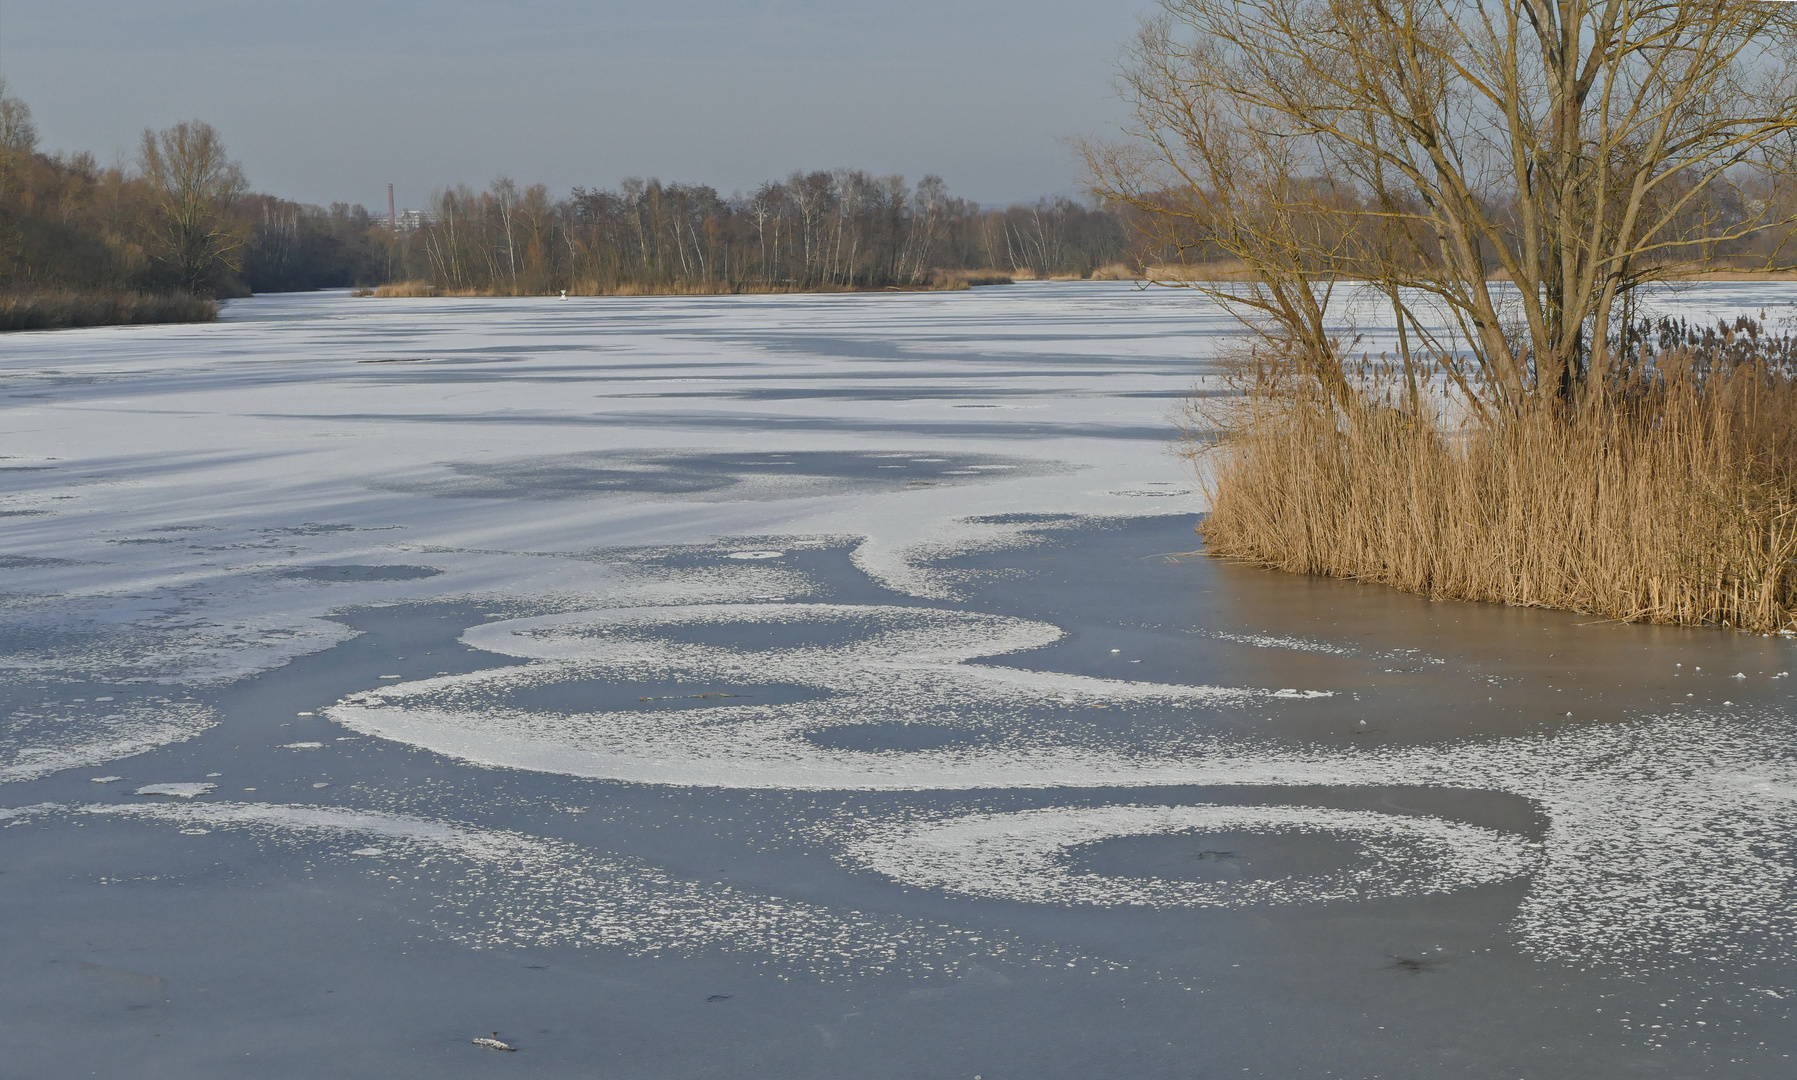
(321, 784)
(179, 791)
(196, 832)
(302, 746)
(1116, 650)
(493, 1043)
(754, 554)
(212, 774)
(369, 851)
(105, 779)
(302, 714)
(107, 698)
(1738, 675)
(392, 676)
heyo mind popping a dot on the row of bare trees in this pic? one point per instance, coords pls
(181, 218)
(171, 222)
(842, 229)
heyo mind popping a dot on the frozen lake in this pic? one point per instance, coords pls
(813, 686)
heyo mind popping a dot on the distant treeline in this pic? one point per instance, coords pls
(82, 242)
(820, 230)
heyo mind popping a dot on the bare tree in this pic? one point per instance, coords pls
(192, 187)
(1577, 148)
(18, 138)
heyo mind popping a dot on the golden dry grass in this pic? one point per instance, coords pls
(1718, 272)
(690, 288)
(595, 288)
(1675, 501)
(938, 281)
(1216, 270)
(64, 308)
(404, 289)
(1115, 272)
(951, 280)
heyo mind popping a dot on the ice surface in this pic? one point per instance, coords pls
(1023, 856)
(643, 491)
(179, 790)
(500, 887)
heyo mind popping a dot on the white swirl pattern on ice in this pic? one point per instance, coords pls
(496, 887)
(899, 665)
(1025, 855)
(1665, 838)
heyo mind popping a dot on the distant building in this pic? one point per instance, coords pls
(409, 220)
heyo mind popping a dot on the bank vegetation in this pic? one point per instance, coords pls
(1496, 187)
(841, 230)
(164, 236)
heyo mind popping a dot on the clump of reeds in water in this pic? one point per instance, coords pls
(1671, 499)
(402, 289)
(955, 280)
(59, 309)
(587, 287)
(1115, 272)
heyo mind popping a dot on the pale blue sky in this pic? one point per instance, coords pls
(330, 99)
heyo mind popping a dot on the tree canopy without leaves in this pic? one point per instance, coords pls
(1513, 169)
(193, 186)
(18, 137)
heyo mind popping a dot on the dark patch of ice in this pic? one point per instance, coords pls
(353, 572)
(812, 472)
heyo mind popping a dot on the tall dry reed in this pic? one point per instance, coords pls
(948, 280)
(61, 309)
(1673, 500)
(1115, 272)
(952, 280)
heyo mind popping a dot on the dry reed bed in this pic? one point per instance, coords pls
(1674, 501)
(939, 281)
(404, 289)
(66, 308)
